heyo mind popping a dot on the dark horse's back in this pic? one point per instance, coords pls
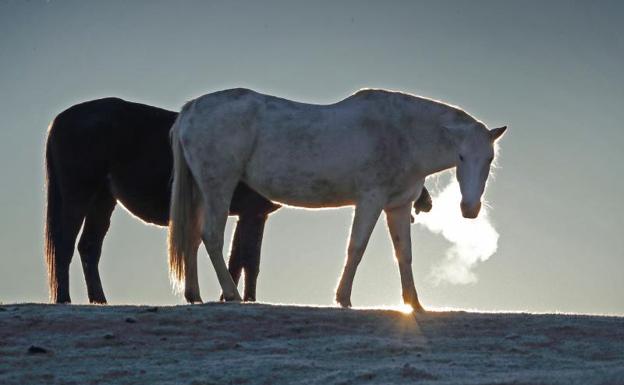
(124, 147)
(108, 150)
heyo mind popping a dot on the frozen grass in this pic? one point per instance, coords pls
(277, 344)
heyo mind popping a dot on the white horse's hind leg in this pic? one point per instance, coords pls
(191, 282)
(399, 219)
(364, 219)
(216, 208)
(215, 151)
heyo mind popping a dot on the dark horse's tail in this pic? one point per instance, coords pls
(53, 217)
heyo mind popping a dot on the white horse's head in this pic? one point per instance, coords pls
(474, 157)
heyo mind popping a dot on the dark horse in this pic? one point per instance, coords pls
(108, 150)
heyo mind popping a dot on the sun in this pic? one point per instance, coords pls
(404, 308)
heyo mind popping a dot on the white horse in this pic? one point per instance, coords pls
(371, 150)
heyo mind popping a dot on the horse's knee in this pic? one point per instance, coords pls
(236, 261)
(62, 258)
(89, 251)
(84, 247)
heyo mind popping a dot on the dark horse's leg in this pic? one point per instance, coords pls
(90, 245)
(245, 253)
(71, 214)
(252, 210)
(423, 203)
(66, 208)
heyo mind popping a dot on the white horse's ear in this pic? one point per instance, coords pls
(496, 133)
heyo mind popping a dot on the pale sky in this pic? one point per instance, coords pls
(551, 71)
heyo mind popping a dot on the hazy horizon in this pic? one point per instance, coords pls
(550, 71)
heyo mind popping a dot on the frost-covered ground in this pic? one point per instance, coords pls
(273, 344)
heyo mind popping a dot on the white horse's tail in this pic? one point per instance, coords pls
(184, 215)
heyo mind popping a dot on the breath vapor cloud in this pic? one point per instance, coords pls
(472, 240)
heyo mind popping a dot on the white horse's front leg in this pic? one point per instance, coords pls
(399, 219)
(364, 219)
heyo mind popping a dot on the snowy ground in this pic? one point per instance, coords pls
(273, 344)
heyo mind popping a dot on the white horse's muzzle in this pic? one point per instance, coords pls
(470, 211)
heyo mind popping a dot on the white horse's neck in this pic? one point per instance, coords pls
(444, 154)
(438, 131)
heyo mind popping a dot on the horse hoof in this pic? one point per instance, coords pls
(411, 299)
(416, 307)
(61, 299)
(343, 302)
(97, 300)
(193, 298)
(231, 297)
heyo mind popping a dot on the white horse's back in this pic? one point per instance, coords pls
(308, 155)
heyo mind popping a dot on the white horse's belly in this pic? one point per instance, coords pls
(325, 177)
(302, 190)
(300, 198)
